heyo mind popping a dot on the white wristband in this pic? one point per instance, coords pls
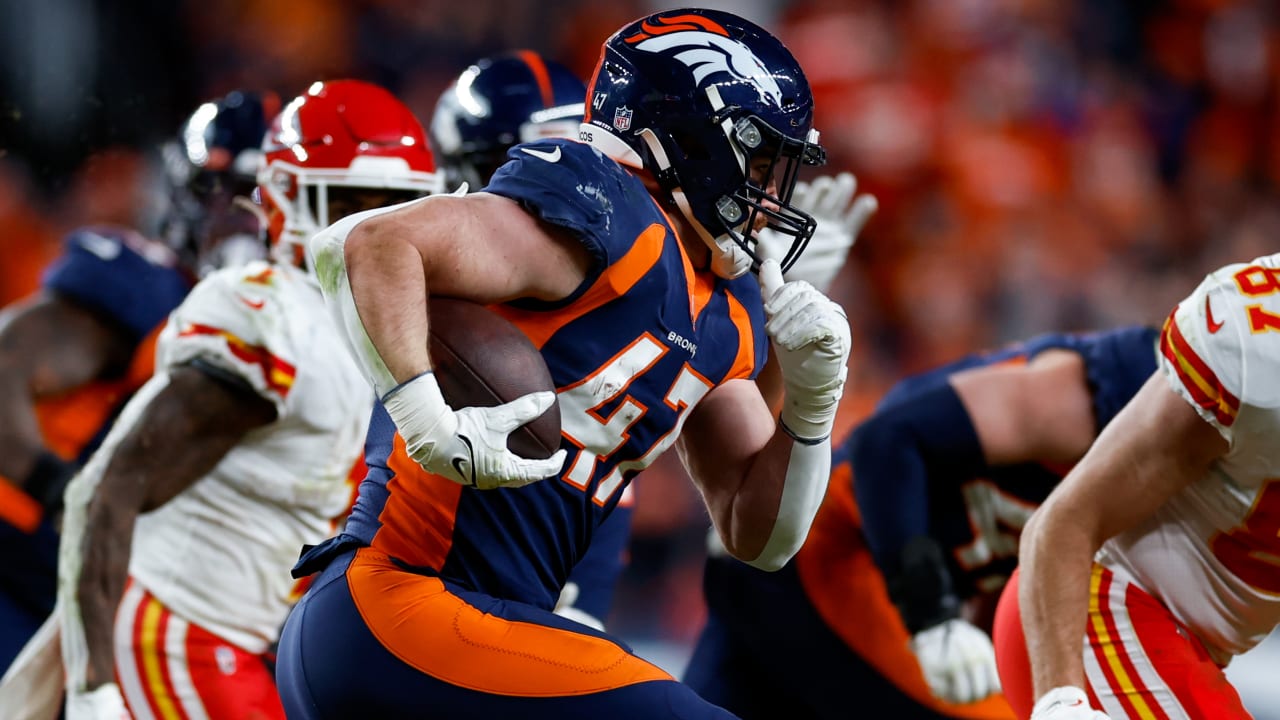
(1066, 695)
(420, 413)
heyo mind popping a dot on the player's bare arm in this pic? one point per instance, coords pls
(734, 451)
(1034, 412)
(479, 247)
(1156, 446)
(763, 480)
(185, 431)
(48, 345)
(377, 270)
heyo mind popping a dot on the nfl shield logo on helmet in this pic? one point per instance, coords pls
(622, 119)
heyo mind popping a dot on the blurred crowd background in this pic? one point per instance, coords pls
(1040, 164)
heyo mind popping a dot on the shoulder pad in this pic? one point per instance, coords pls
(121, 274)
(238, 320)
(1220, 347)
(574, 186)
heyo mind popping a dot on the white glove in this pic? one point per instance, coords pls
(811, 338)
(468, 446)
(104, 703)
(1066, 703)
(565, 607)
(958, 661)
(840, 217)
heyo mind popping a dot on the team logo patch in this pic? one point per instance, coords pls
(622, 119)
(706, 49)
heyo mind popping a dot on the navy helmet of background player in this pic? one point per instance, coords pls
(213, 161)
(499, 102)
(646, 110)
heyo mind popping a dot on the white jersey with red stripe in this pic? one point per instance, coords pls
(1211, 554)
(219, 553)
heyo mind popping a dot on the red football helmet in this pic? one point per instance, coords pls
(339, 134)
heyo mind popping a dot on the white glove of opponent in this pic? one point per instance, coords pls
(958, 661)
(104, 703)
(1066, 703)
(840, 217)
(469, 445)
(811, 337)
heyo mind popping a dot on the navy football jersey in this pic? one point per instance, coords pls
(978, 517)
(638, 345)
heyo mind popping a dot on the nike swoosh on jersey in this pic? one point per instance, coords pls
(548, 155)
(1208, 317)
(256, 304)
(104, 247)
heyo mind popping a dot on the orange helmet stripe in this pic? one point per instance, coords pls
(539, 70)
(677, 23)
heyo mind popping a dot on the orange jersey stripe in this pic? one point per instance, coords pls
(745, 361)
(540, 74)
(1196, 376)
(701, 285)
(420, 512)
(676, 23)
(70, 420)
(613, 283)
(278, 373)
(18, 508)
(419, 621)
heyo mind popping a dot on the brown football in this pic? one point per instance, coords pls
(481, 360)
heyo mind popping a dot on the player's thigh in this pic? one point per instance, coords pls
(381, 642)
(1141, 663)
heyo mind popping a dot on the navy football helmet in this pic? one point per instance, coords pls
(214, 160)
(700, 98)
(497, 103)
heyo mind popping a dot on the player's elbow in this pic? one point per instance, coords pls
(763, 551)
(773, 559)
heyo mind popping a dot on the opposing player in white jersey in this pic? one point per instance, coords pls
(239, 450)
(1180, 500)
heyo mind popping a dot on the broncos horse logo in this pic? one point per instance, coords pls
(705, 47)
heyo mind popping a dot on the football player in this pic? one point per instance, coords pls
(946, 472)
(179, 532)
(522, 97)
(626, 258)
(1157, 559)
(495, 104)
(73, 353)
